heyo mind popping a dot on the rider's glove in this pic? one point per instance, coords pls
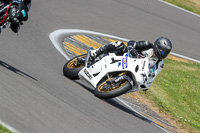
(133, 52)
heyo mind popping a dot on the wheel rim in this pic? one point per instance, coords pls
(101, 88)
(71, 63)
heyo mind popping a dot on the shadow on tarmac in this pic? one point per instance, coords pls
(114, 102)
(15, 70)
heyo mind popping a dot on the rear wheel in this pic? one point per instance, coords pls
(73, 66)
(107, 90)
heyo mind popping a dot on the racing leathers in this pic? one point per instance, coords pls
(135, 48)
(155, 65)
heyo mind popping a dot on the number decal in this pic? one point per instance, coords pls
(88, 74)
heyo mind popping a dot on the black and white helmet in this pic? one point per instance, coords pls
(162, 47)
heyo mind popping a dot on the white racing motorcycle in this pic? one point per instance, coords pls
(110, 75)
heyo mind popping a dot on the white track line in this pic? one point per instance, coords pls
(175, 54)
(184, 57)
(54, 37)
(140, 113)
(179, 8)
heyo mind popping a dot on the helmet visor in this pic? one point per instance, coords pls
(163, 53)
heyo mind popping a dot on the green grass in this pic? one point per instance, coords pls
(4, 130)
(186, 4)
(177, 90)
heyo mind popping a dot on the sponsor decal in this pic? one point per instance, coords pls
(143, 65)
(88, 74)
(124, 63)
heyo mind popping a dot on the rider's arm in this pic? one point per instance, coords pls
(137, 47)
(141, 45)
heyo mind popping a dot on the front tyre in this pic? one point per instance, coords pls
(105, 90)
(72, 67)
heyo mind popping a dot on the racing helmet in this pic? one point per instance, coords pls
(162, 47)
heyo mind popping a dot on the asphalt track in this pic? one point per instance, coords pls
(35, 97)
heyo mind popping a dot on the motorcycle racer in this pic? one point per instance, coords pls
(16, 12)
(155, 52)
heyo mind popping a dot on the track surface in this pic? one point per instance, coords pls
(34, 95)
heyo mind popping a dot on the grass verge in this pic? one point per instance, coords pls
(4, 129)
(176, 90)
(190, 5)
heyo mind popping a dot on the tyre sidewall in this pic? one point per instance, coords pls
(114, 93)
(72, 73)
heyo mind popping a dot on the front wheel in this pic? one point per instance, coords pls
(73, 66)
(107, 90)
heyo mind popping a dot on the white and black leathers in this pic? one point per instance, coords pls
(146, 48)
(143, 47)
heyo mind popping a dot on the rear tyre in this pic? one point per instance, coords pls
(72, 67)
